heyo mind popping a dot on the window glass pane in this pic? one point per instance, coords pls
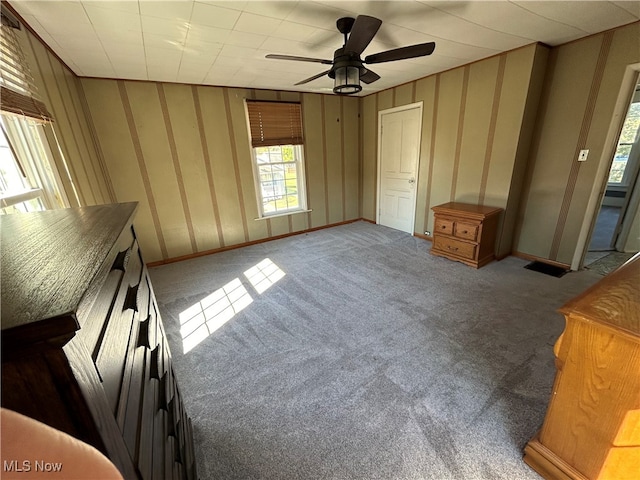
(287, 153)
(280, 178)
(11, 180)
(628, 135)
(33, 205)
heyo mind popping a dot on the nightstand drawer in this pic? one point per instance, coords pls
(468, 231)
(443, 225)
(455, 247)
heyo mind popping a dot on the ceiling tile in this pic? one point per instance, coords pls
(271, 9)
(159, 55)
(244, 39)
(249, 22)
(114, 20)
(56, 28)
(199, 33)
(296, 31)
(170, 10)
(119, 36)
(121, 6)
(212, 16)
(632, 7)
(317, 15)
(598, 17)
(511, 18)
(168, 28)
(65, 12)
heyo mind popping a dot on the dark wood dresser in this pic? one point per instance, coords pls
(83, 346)
(592, 426)
(465, 232)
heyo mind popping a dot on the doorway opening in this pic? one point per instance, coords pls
(612, 241)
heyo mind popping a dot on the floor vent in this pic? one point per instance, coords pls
(546, 269)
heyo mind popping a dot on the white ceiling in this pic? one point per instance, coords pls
(224, 43)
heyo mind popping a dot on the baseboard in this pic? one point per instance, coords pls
(428, 238)
(547, 463)
(248, 244)
(533, 258)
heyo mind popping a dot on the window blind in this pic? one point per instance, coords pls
(18, 93)
(274, 123)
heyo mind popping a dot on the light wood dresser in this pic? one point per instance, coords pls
(592, 426)
(83, 346)
(465, 232)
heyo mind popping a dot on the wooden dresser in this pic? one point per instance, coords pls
(83, 346)
(592, 426)
(465, 232)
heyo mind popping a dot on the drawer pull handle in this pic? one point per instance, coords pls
(122, 260)
(131, 300)
(453, 249)
(153, 368)
(465, 232)
(143, 333)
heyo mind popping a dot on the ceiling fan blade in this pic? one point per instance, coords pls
(412, 51)
(299, 59)
(363, 31)
(369, 77)
(310, 79)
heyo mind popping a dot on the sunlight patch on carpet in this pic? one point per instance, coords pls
(203, 318)
(263, 275)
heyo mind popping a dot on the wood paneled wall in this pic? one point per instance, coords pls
(183, 152)
(581, 86)
(475, 135)
(488, 137)
(77, 159)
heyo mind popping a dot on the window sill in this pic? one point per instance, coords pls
(9, 199)
(284, 214)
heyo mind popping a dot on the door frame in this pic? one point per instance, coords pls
(410, 106)
(627, 88)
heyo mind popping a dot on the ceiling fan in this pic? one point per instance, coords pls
(347, 68)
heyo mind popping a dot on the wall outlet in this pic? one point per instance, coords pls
(427, 233)
(582, 156)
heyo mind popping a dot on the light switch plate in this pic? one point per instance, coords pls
(582, 157)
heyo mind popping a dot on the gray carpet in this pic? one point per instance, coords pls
(369, 359)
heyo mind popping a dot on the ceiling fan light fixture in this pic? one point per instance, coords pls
(347, 80)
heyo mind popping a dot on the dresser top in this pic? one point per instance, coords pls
(48, 259)
(469, 209)
(614, 300)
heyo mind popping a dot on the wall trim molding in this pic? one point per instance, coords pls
(533, 258)
(249, 243)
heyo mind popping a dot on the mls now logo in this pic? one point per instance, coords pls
(28, 465)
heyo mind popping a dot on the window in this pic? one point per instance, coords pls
(28, 182)
(628, 138)
(278, 158)
(28, 179)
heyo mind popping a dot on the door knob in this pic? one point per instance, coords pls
(412, 180)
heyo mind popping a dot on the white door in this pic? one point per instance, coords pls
(399, 147)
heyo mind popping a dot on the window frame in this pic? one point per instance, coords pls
(257, 131)
(34, 160)
(298, 154)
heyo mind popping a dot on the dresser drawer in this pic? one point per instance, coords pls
(455, 247)
(468, 231)
(444, 225)
(113, 349)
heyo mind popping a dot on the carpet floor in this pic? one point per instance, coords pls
(352, 353)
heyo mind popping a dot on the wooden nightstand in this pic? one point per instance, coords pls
(465, 233)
